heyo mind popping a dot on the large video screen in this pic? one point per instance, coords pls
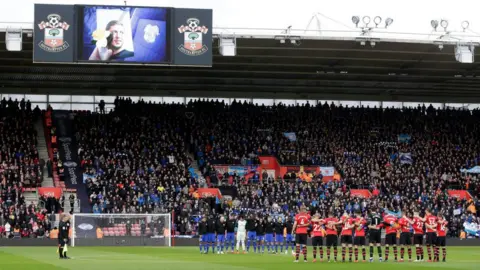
(124, 34)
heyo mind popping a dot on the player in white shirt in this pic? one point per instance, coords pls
(241, 233)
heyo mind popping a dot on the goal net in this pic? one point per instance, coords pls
(121, 230)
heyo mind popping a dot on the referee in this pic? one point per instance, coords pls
(64, 229)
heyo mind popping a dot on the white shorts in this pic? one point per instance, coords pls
(241, 236)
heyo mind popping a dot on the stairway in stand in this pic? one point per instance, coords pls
(43, 152)
(76, 206)
(31, 196)
(195, 171)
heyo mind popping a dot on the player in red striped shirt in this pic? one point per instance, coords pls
(431, 227)
(418, 235)
(441, 238)
(300, 226)
(347, 238)
(391, 228)
(405, 237)
(331, 223)
(359, 239)
(317, 236)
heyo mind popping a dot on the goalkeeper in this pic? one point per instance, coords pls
(63, 237)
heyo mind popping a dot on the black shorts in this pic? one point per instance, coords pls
(62, 241)
(391, 239)
(359, 241)
(406, 239)
(347, 239)
(441, 241)
(375, 237)
(418, 239)
(301, 238)
(431, 239)
(317, 241)
(332, 240)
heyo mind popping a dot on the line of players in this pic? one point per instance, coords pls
(260, 232)
(255, 232)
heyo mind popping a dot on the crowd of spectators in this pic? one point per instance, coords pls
(137, 157)
(20, 168)
(134, 158)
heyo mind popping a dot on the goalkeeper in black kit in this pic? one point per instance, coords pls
(63, 237)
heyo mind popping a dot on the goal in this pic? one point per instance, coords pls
(121, 230)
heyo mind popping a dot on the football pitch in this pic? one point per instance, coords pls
(180, 258)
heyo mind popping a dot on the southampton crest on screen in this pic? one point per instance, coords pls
(53, 34)
(193, 41)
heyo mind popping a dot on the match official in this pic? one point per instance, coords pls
(63, 237)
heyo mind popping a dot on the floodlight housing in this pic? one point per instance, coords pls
(355, 20)
(388, 22)
(366, 20)
(444, 23)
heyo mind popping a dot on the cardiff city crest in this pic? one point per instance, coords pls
(53, 34)
(193, 41)
(150, 33)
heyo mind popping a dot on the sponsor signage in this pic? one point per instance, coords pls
(459, 194)
(209, 192)
(50, 192)
(67, 149)
(360, 193)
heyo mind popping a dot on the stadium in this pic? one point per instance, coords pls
(140, 136)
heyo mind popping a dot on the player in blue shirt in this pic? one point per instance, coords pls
(202, 233)
(269, 230)
(211, 228)
(289, 241)
(279, 228)
(260, 235)
(230, 240)
(252, 233)
(221, 229)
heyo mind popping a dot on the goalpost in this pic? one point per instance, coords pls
(121, 230)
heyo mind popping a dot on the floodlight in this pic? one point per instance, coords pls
(388, 22)
(366, 20)
(434, 24)
(355, 20)
(444, 24)
(377, 20)
(465, 25)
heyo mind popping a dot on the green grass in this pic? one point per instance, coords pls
(180, 258)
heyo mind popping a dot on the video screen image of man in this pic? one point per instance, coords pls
(114, 49)
(124, 34)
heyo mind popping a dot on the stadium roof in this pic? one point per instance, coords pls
(264, 67)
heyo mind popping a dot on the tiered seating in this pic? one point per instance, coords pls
(407, 158)
(19, 169)
(136, 162)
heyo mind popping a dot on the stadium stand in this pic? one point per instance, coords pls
(136, 159)
(20, 169)
(134, 163)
